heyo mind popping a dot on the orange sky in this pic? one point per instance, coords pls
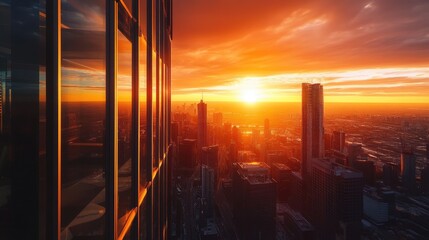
(247, 50)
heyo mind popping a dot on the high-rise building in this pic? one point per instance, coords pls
(336, 200)
(267, 130)
(338, 141)
(254, 201)
(187, 156)
(210, 158)
(408, 169)
(354, 150)
(86, 86)
(208, 185)
(283, 176)
(390, 174)
(202, 127)
(328, 142)
(367, 168)
(312, 126)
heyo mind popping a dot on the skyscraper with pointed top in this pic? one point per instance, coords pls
(202, 127)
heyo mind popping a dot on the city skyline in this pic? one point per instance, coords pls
(361, 51)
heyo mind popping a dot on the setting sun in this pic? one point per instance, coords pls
(249, 90)
(249, 96)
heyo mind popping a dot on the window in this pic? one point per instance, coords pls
(83, 118)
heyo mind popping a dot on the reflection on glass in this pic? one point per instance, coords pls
(129, 5)
(143, 220)
(22, 80)
(143, 112)
(83, 119)
(124, 128)
(155, 130)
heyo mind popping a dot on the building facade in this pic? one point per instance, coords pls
(337, 201)
(254, 201)
(312, 126)
(85, 115)
(202, 127)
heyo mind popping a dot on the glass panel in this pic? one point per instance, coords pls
(83, 118)
(154, 24)
(6, 161)
(129, 5)
(143, 112)
(155, 208)
(124, 81)
(22, 102)
(143, 220)
(154, 110)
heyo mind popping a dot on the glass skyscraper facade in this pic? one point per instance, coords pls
(84, 119)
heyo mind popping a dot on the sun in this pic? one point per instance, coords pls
(249, 95)
(249, 90)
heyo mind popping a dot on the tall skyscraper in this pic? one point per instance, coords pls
(202, 127)
(90, 101)
(408, 169)
(312, 126)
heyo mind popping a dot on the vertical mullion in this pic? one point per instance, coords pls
(135, 119)
(53, 118)
(111, 144)
(149, 118)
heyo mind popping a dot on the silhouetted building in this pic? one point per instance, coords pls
(187, 153)
(236, 136)
(338, 141)
(267, 130)
(408, 169)
(312, 126)
(339, 157)
(391, 174)
(297, 197)
(208, 187)
(336, 201)
(367, 168)
(211, 159)
(202, 127)
(354, 150)
(254, 201)
(295, 224)
(282, 175)
(328, 142)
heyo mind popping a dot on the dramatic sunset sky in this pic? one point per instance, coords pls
(261, 50)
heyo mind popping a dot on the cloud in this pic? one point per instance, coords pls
(217, 42)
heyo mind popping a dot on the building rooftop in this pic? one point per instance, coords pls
(255, 172)
(281, 166)
(296, 217)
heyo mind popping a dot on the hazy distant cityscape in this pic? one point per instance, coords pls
(370, 180)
